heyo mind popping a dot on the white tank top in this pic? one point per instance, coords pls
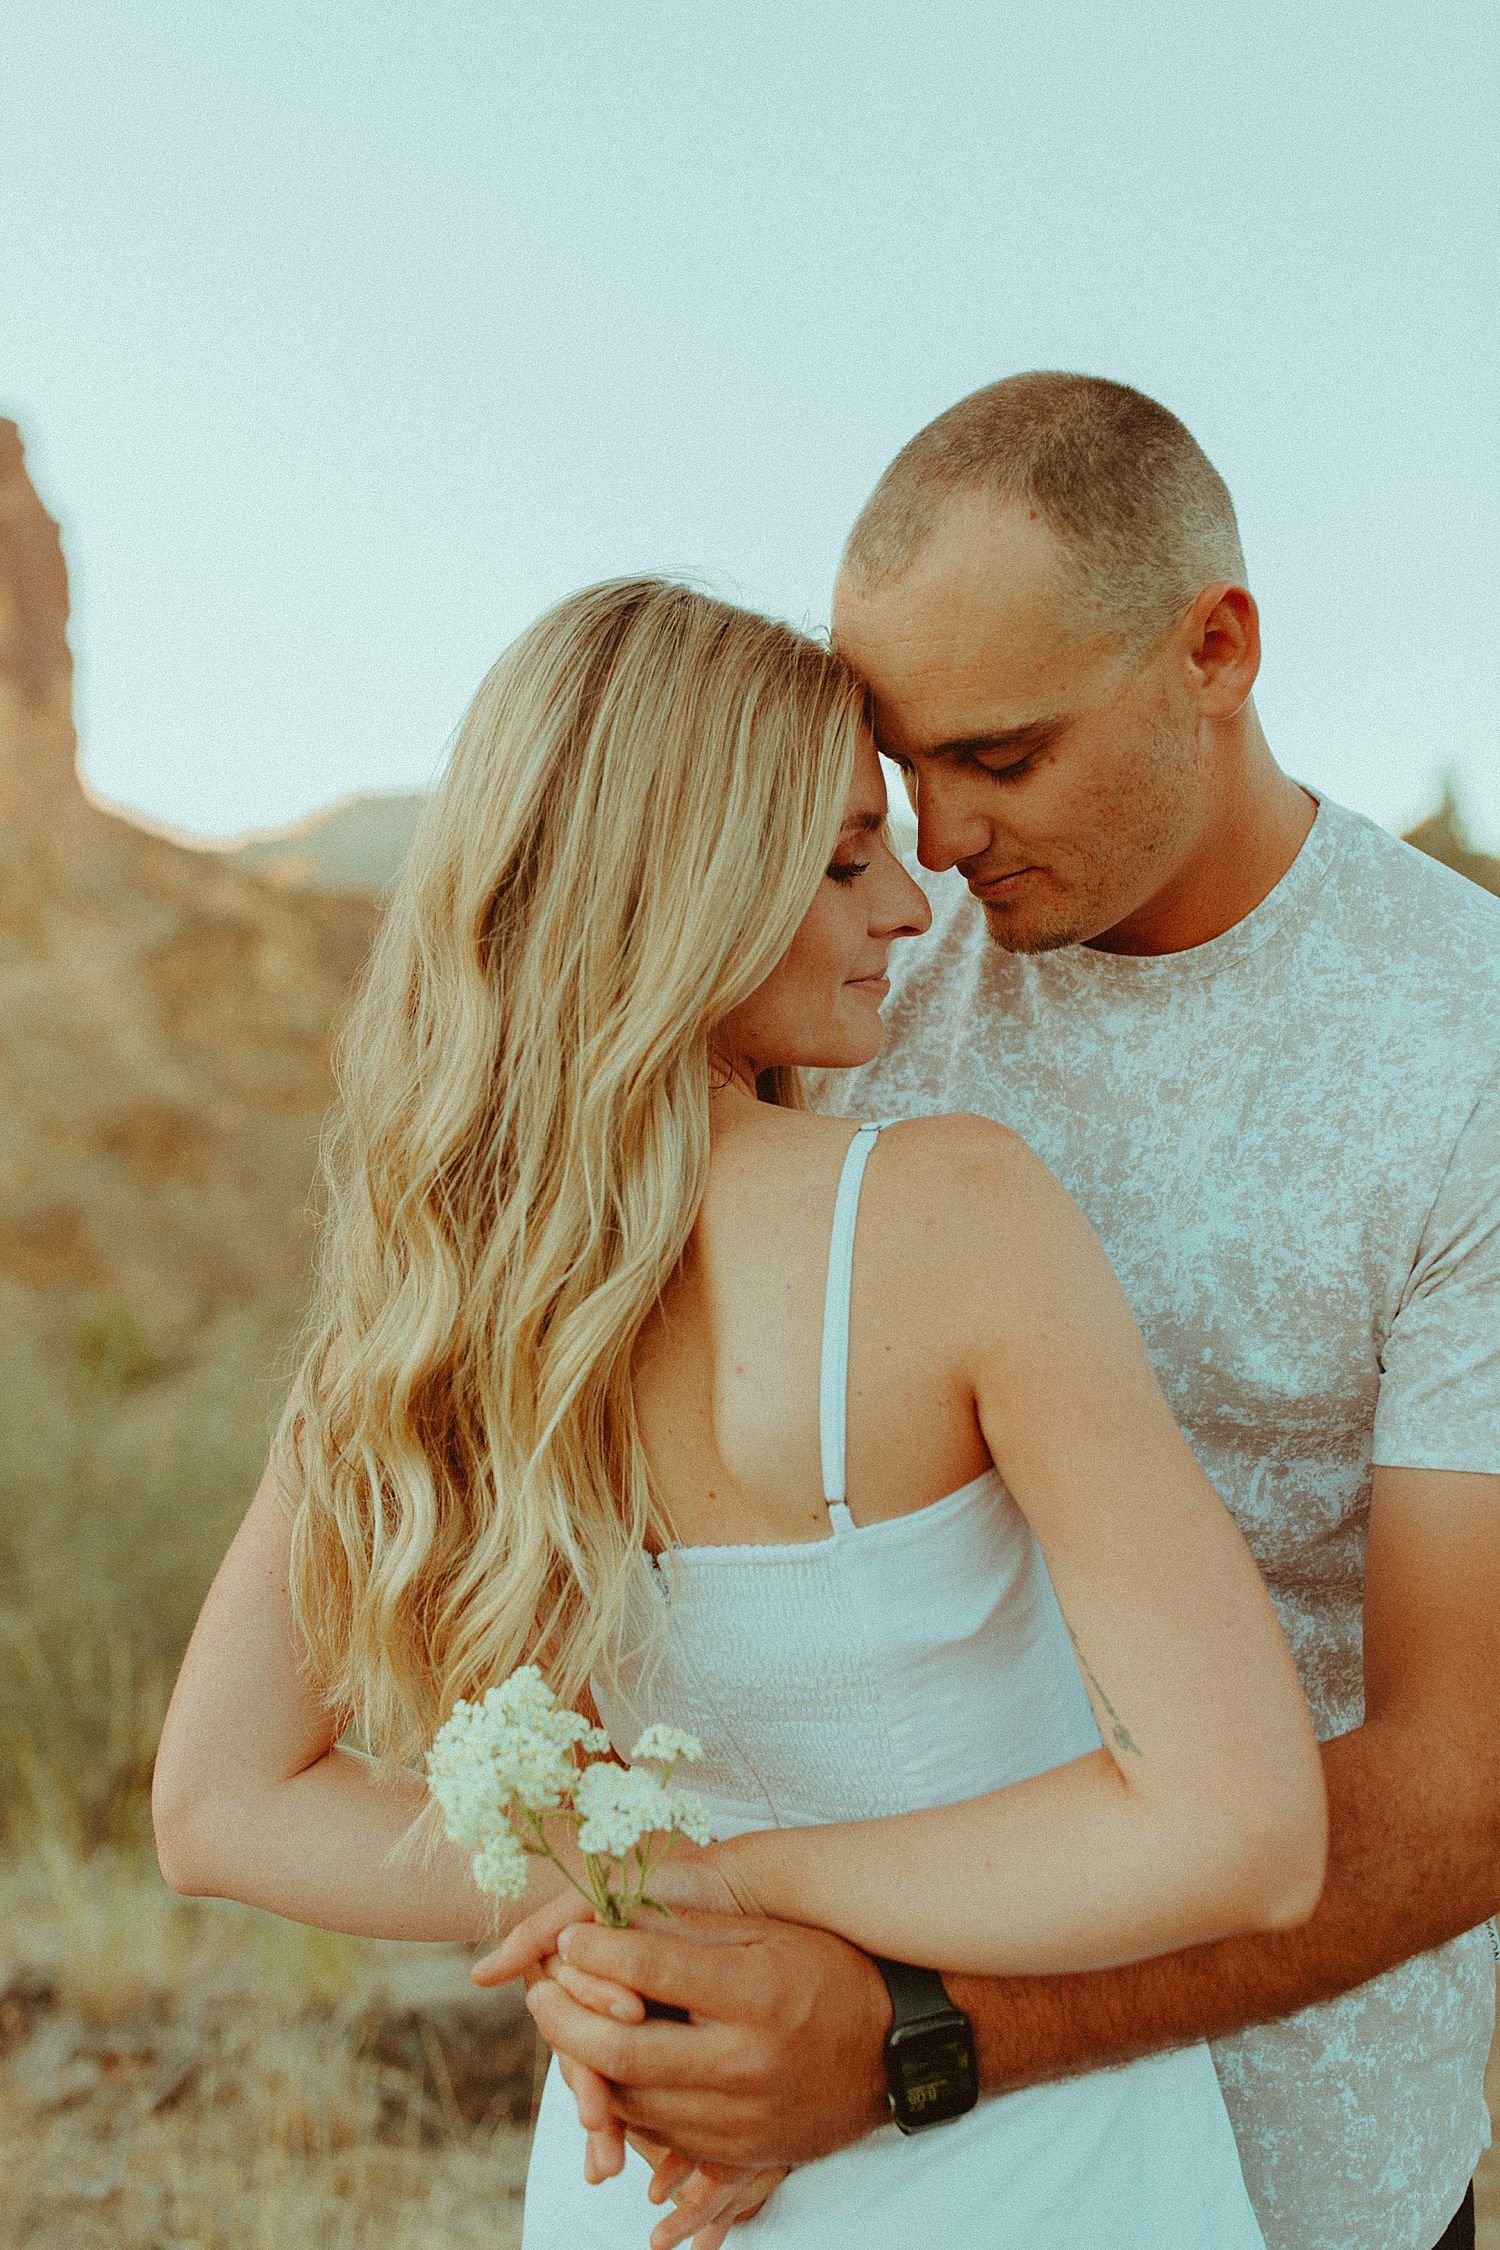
(892, 1665)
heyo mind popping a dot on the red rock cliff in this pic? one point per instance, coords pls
(165, 1019)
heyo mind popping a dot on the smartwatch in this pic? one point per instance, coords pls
(930, 2065)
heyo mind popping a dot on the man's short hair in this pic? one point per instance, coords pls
(1143, 518)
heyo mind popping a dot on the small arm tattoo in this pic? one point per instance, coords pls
(1123, 1738)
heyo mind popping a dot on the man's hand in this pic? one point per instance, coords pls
(708, 2199)
(780, 2060)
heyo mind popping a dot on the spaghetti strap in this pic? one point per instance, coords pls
(833, 1393)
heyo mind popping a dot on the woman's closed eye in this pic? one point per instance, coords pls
(846, 870)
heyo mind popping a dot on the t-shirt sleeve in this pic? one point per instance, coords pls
(1439, 1403)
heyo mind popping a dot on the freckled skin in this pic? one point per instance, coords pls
(1148, 817)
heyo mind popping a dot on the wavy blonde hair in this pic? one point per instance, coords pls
(638, 809)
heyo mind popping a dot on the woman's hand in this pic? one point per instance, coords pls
(531, 1951)
(709, 2198)
(537, 1948)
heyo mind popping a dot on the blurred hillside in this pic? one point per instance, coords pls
(356, 845)
(1444, 836)
(165, 1021)
(174, 2071)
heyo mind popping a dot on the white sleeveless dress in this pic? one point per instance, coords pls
(892, 1666)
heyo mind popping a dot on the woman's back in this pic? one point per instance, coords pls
(727, 1374)
(838, 1665)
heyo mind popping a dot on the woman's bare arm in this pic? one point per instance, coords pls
(254, 1800)
(1204, 1813)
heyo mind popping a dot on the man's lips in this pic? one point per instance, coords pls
(997, 886)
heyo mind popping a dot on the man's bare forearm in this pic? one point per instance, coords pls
(1412, 1861)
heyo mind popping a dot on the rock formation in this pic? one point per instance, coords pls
(357, 844)
(165, 1021)
(36, 667)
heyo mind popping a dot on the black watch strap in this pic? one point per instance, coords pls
(931, 2069)
(916, 1994)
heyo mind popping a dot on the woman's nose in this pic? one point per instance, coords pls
(904, 911)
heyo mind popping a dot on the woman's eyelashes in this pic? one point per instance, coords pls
(846, 870)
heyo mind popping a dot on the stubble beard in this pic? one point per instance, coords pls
(1048, 934)
(1152, 819)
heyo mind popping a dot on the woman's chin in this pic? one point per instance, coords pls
(847, 1050)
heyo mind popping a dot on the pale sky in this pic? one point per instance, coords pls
(345, 338)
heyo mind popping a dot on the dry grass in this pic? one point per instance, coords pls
(181, 2072)
(120, 1485)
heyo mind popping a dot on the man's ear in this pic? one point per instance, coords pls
(1223, 648)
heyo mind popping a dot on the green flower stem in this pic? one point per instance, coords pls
(614, 1908)
(543, 1850)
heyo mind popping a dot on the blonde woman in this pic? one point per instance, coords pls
(592, 1375)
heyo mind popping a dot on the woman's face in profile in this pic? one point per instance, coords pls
(820, 1006)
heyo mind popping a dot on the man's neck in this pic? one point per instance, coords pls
(1250, 842)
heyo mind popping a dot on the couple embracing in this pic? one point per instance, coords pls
(1009, 1358)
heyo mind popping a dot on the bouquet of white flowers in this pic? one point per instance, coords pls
(500, 1767)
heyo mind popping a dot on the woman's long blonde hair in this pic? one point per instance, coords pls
(638, 809)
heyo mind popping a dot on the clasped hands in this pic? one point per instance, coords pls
(778, 2061)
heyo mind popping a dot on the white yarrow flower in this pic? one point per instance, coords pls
(500, 1866)
(689, 1816)
(619, 1805)
(499, 1765)
(666, 1744)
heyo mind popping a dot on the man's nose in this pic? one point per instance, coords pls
(946, 833)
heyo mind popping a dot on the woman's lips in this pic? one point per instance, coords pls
(882, 985)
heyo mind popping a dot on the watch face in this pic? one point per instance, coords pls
(932, 2072)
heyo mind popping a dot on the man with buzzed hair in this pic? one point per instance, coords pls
(1141, 517)
(1259, 1040)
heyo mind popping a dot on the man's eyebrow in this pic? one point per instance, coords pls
(1032, 736)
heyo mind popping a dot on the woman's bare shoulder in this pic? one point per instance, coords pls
(960, 1156)
(950, 1155)
(960, 1197)
(931, 1179)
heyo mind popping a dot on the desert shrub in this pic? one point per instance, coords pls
(121, 1483)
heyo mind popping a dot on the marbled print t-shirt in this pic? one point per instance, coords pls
(1288, 1140)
